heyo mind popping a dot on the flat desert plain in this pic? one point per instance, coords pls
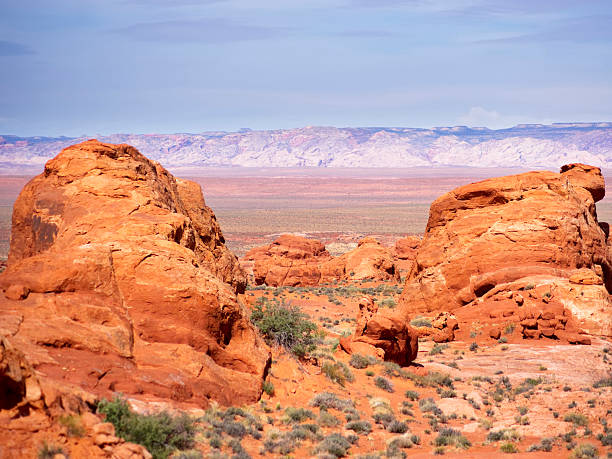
(337, 206)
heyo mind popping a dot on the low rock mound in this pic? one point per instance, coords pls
(118, 280)
(383, 335)
(301, 262)
(490, 239)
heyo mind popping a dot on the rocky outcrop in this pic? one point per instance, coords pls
(289, 261)
(118, 279)
(31, 410)
(369, 260)
(382, 334)
(300, 262)
(489, 239)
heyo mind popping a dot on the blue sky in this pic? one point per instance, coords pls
(75, 67)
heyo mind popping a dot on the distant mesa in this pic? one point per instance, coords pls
(523, 146)
(119, 271)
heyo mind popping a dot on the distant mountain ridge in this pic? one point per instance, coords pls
(528, 145)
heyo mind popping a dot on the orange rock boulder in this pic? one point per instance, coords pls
(369, 260)
(382, 334)
(301, 262)
(503, 234)
(118, 279)
(289, 261)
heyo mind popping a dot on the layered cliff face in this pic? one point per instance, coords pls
(536, 231)
(118, 279)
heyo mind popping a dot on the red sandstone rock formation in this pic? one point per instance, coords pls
(288, 261)
(486, 240)
(30, 408)
(382, 334)
(298, 261)
(118, 279)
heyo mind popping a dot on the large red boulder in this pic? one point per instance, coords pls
(382, 334)
(491, 238)
(118, 279)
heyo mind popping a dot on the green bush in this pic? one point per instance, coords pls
(412, 395)
(285, 325)
(335, 445)
(161, 434)
(603, 382)
(383, 383)
(438, 349)
(338, 372)
(73, 425)
(584, 451)
(327, 400)
(421, 322)
(396, 426)
(577, 419)
(359, 427)
(509, 448)
(49, 450)
(268, 388)
(360, 361)
(451, 437)
(294, 415)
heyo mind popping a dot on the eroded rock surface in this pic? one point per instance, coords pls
(118, 279)
(301, 262)
(382, 334)
(489, 239)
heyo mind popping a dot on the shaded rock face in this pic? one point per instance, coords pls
(119, 271)
(502, 234)
(383, 335)
(300, 262)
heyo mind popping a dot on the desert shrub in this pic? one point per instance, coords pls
(577, 419)
(509, 448)
(383, 383)
(431, 379)
(73, 425)
(392, 369)
(448, 393)
(295, 415)
(397, 427)
(285, 325)
(451, 437)
(584, 451)
(337, 372)
(438, 349)
(334, 444)
(504, 434)
(427, 405)
(359, 427)
(268, 388)
(233, 428)
(326, 419)
(544, 445)
(411, 394)
(473, 346)
(421, 322)
(360, 361)
(160, 434)
(279, 443)
(49, 450)
(603, 382)
(329, 400)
